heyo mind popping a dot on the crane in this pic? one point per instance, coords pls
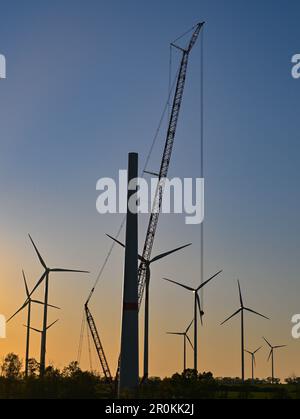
(157, 204)
(156, 209)
(99, 348)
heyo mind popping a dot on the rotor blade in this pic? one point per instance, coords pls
(210, 279)
(189, 340)
(255, 352)
(233, 315)
(68, 270)
(279, 347)
(181, 285)
(199, 307)
(123, 245)
(240, 294)
(176, 334)
(188, 329)
(52, 324)
(255, 312)
(39, 282)
(38, 253)
(26, 286)
(267, 342)
(254, 360)
(17, 312)
(163, 255)
(42, 304)
(271, 352)
(32, 328)
(248, 352)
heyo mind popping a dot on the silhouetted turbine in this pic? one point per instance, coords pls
(253, 359)
(41, 331)
(272, 356)
(45, 277)
(197, 306)
(147, 264)
(241, 310)
(28, 303)
(185, 339)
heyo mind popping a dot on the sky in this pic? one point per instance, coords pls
(86, 83)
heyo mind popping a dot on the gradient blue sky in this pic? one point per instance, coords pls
(86, 83)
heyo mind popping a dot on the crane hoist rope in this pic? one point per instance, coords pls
(154, 217)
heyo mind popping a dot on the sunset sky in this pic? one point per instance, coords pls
(86, 83)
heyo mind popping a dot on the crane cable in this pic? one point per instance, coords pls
(143, 172)
(167, 107)
(202, 266)
(83, 323)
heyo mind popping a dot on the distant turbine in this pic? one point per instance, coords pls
(272, 356)
(42, 331)
(28, 303)
(185, 339)
(197, 306)
(147, 264)
(45, 277)
(253, 360)
(241, 310)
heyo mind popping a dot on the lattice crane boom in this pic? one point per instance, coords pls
(98, 345)
(153, 223)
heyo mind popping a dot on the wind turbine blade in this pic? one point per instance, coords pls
(188, 329)
(210, 279)
(42, 304)
(240, 294)
(233, 315)
(39, 282)
(199, 308)
(271, 352)
(163, 255)
(176, 334)
(32, 328)
(52, 324)
(268, 343)
(38, 253)
(69, 270)
(248, 352)
(181, 285)
(26, 286)
(115, 240)
(123, 245)
(17, 312)
(189, 340)
(255, 312)
(255, 352)
(254, 359)
(279, 347)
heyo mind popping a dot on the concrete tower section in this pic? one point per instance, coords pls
(129, 367)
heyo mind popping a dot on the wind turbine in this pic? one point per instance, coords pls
(272, 356)
(42, 331)
(253, 359)
(185, 340)
(45, 277)
(28, 303)
(147, 264)
(197, 306)
(241, 310)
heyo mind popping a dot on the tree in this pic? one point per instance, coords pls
(33, 367)
(12, 366)
(71, 370)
